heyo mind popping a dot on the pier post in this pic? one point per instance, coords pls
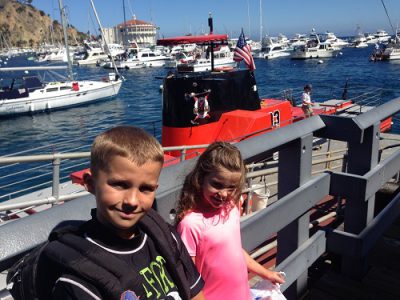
(362, 157)
(294, 168)
(56, 178)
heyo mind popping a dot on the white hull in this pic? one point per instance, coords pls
(202, 66)
(273, 55)
(125, 64)
(311, 53)
(391, 54)
(45, 99)
(153, 63)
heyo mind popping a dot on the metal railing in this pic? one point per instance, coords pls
(297, 194)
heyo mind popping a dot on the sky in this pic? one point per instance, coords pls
(177, 17)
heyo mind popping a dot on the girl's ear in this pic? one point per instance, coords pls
(88, 182)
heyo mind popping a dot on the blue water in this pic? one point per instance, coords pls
(139, 101)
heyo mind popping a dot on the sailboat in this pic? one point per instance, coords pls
(29, 94)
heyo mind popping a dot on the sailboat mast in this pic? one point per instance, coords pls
(261, 26)
(64, 26)
(102, 36)
(124, 36)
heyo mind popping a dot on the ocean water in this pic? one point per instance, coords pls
(139, 102)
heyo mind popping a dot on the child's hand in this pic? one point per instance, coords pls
(276, 277)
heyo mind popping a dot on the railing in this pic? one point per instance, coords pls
(298, 192)
(8, 210)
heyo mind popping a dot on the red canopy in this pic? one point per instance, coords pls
(194, 39)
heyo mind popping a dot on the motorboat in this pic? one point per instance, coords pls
(275, 50)
(92, 56)
(185, 48)
(370, 38)
(360, 40)
(331, 38)
(382, 36)
(391, 51)
(314, 49)
(151, 58)
(223, 58)
(178, 59)
(127, 60)
(298, 40)
(30, 94)
(213, 57)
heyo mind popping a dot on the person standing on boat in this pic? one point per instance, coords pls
(208, 220)
(306, 103)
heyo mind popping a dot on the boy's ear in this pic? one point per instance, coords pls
(88, 182)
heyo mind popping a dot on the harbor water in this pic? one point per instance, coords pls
(140, 100)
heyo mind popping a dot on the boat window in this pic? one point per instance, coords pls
(95, 54)
(151, 55)
(63, 88)
(52, 89)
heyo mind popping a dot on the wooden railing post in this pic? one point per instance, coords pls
(295, 164)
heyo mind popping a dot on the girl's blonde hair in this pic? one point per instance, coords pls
(218, 155)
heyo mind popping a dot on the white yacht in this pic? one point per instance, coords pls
(93, 56)
(359, 41)
(370, 38)
(391, 51)
(331, 38)
(151, 58)
(382, 36)
(275, 50)
(298, 40)
(178, 59)
(223, 58)
(314, 49)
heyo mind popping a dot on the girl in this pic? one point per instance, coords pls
(208, 221)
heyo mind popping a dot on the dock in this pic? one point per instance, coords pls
(351, 254)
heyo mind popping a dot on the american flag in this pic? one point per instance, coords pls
(243, 52)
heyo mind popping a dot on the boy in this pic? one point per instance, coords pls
(306, 103)
(125, 166)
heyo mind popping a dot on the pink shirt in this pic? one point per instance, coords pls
(215, 242)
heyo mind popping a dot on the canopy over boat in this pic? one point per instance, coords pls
(195, 39)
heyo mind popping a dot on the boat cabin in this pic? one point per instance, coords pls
(19, 87)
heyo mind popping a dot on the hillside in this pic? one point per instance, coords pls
(22, 25)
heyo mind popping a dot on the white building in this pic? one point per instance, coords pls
(142, 32)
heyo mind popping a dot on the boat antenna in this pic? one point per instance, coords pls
(387, 14)
(103, 38)
(64, 27)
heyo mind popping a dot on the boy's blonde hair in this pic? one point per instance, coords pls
(218, 155)
(129, 142)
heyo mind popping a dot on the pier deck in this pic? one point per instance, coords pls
(382, 281)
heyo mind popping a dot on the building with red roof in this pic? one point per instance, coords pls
(141, 32)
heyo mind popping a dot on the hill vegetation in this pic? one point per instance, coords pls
(22, 25)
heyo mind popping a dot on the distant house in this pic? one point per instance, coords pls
(144, 33)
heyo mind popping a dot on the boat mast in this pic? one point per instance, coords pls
(210, 24)
(261, 26)
(64, 26)
(102, 36)
(124, 37)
